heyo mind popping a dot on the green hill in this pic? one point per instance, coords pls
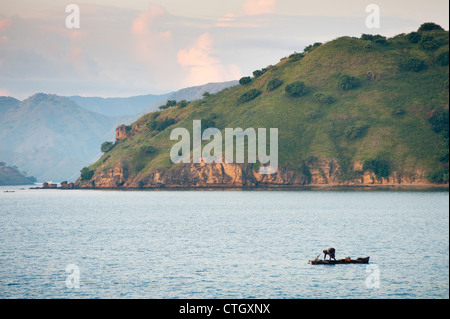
(363, 110)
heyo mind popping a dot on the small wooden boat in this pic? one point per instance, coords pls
(340, 261)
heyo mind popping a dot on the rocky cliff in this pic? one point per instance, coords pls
(223, 175)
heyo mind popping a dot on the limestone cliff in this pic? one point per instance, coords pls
(241, 175)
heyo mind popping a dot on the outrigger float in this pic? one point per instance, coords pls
(347, 260)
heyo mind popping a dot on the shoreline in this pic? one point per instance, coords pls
(316, 187)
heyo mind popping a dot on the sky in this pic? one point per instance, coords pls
(135, 47)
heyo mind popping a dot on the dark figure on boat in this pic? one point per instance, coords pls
(330, 252)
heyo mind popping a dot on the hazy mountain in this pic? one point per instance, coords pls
(119, 106)
(8, 103)
(51, 137)
(13, 176)
(191, 94)
(135, 106)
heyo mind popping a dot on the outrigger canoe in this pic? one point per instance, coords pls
(340, 261)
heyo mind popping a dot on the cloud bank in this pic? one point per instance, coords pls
(141, 49)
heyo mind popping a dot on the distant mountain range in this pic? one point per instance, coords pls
(118, 106)
(142, 104)
(52, 137)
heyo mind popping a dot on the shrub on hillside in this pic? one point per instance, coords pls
(348, 82)
(374, 38)
(182, 104)
(379, 167)
(273, 84)
(366, 37)
(324, 99)
(414, 37)
(159, 126)
(355, 132)
(413, 65)
(439, 176)
(397, 110)
(106, 147)
(371, 37)
(440, 123)
(381, 41)
(248, 96)
(306, 173)
(296, 56)
(86, 174)
(311, 47)
(169, 104)
(245, 80)
(258, 73)
(147, 150)
(296, 89)
(429, 43)
(444, 155)
(208, 123)
(166, 123)
(128, 128)
(429, 26)
(443, 58)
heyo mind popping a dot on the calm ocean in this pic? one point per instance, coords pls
(222, 244)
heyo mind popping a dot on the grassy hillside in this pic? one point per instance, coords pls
(374, 101)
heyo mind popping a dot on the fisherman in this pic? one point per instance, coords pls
(330, 252)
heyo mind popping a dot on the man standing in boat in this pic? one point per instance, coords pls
(330, 252)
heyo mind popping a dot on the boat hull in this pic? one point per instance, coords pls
(340, 261)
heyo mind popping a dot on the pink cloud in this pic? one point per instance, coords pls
(198, 55)
(4, 92)
(255, 7)
(202, 67)
(146, 31)
(5, 23)
(153, 47)
(146, 19)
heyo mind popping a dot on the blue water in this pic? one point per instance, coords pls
(223, 244)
